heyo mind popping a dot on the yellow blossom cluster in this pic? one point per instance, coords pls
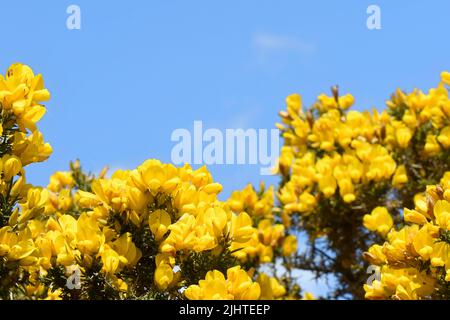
(269, 234)
(331, 154)
(178, 208)
(151, 232)
(414, 262)
(21, 94)
(152, 219)
(161, 232)
(329, 149)
(237, 286)
(175, 210)
(378, 220)
(347, 174)
(21, 143)
(418, 111)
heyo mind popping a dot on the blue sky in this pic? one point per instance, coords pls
(137, 70)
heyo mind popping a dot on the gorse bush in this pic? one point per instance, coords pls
(155, 232)
(160, 231)
(347, 175)
(415, 260)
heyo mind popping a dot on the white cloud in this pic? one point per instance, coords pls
(270, 43)
(244, 119)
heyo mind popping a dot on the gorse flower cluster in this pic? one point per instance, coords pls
(21, 94)
(142, 233)
(343, 169)
(334, 164)
(334, 154)
(161, 232)
(415, 260)
(269, 236)
(154, 232)
(238, 285)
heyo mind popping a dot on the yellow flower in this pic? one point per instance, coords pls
(54, 295)
(414, 217)
(375, 291)
(327, 185)
(432, 147)
(213, 287)
(289, 245)
(445, 77)
(423, 242)
(403, 136)
(442, 214)
(444, 137)
(31, 148)
(238, 286)
(248, 200)
(89, 238)
(125, 247)
(265, 253)
(212, 188)
(327, 102)
(164, 276)
(64, 200)
(17, 246)
(294, 103)
(11, 166)
(308, 296)
(400, 176)
(241, 286)
(440, 255)
(270, 233)
(137, 199)
(214, 219)
(379, 220)
(60, 180)
(346, 101)
(270, 287)
(159, 222)
(307, 202)
(181, 235)
(110, 260)
(347, 190)
(86, 199)
(375, 255)
(241, 227)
